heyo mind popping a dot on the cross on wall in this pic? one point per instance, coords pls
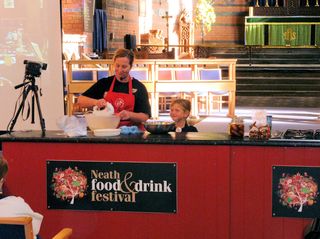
(167, 17)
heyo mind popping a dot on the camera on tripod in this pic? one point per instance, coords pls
(34, 68)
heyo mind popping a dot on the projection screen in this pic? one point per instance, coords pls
(30, 30)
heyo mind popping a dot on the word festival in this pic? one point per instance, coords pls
(111, 187)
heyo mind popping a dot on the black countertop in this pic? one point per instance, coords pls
(199, 138)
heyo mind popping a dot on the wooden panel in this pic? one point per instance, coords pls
(251, 191)
(191, 86)
(202, 190)
(224, 192)
(79, 87)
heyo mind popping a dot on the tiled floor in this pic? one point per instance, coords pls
(282, 119)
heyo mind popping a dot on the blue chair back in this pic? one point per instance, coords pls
(102, 74)
(16, 228)
(8, 231)
(210, 74)
(139, 74)
(82, 75)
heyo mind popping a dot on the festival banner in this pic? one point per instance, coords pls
(111, 186)
(295, 191)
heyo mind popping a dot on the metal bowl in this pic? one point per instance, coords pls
(158, 127)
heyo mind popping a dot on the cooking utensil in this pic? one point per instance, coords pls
(158, 127)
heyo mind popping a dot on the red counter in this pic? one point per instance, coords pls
(223, 191)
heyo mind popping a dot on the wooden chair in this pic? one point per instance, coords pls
(165, 98)
(213, 98)
(173, 81)
(78, 80)
(186, 74)
(65, 233)
(16, 228)
(21, 228)
(144, 74)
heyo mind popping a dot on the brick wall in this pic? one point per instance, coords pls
(72, 16)
(229, 26)
(123, 19)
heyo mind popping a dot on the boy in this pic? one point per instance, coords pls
(179, 112)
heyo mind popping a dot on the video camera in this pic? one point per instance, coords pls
(34, 68)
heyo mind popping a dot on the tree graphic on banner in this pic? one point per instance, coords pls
(69, 183)
(297, 190)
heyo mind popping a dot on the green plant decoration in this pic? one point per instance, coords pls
(204, 16)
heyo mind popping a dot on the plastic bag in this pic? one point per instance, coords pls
(106, 111)
(72, 126)
(259, 117)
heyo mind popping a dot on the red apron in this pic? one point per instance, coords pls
(121, 101)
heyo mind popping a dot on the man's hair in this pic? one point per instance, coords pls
(3, 167)
(122, 52)
(185, 104)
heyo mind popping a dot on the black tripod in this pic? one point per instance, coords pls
(29, 85)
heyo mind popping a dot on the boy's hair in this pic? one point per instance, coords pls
(3, 167)
(185, 104)
(122, 52)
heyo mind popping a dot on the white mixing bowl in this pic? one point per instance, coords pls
(102, 122)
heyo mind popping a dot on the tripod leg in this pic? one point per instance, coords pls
(32, 110)
(42, 123)
(25, 94)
